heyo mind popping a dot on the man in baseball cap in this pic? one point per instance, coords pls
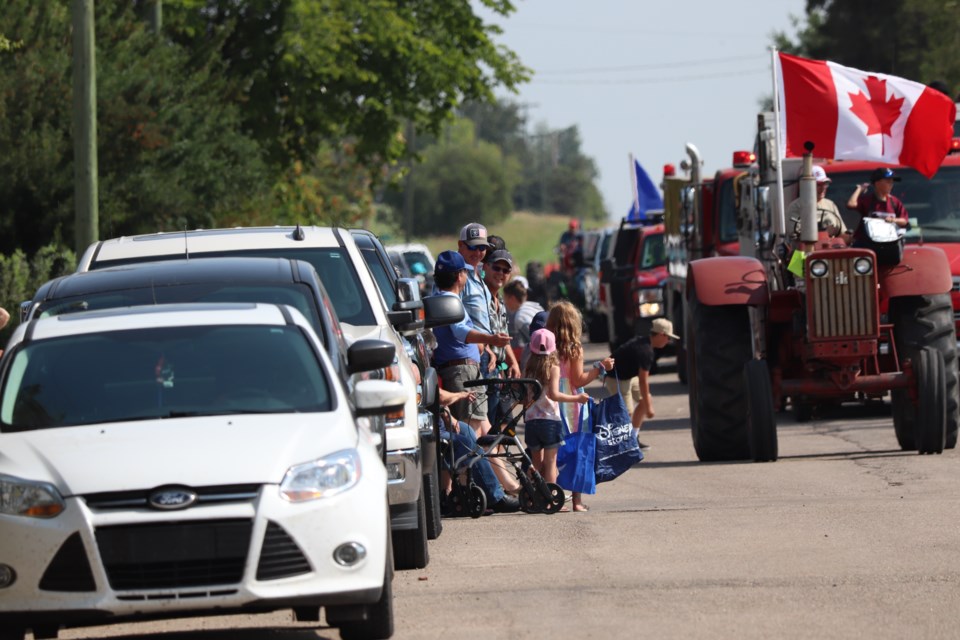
(880, 203)
(828, 215)
(474, 235)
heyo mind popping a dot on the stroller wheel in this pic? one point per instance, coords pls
(477, 501)
(556, 498)
(531, 501)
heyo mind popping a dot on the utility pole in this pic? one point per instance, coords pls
(155, 15)
(86, 217)
(408, 185)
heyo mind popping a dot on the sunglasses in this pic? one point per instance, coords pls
(479, 247)
(494, 267)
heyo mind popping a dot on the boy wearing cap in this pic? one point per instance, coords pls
(828, 215)
(456, 357)
(632, 363)
(879, 204)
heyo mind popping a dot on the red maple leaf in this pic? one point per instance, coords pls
(877, 113)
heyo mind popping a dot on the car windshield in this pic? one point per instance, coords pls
(298, 296)
(332, 264)
(933, 204)
(653, 254)
(165, 372)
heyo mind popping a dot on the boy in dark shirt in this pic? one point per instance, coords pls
(632, 363)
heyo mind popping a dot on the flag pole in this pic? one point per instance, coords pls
(779, 221)
(634, 185)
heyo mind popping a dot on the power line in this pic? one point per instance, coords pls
(705, 76)
(641, 67)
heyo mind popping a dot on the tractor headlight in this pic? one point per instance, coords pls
(863, 266)
(818, 268)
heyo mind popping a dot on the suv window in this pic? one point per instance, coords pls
(379, 272)
(332, 264)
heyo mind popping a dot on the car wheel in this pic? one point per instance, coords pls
(431, 484)
(410, 545)
(379, 619)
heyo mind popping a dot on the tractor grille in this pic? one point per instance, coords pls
(842, 303)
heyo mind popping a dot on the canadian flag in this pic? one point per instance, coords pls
(856, 115)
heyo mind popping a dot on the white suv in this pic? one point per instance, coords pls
(362, 313)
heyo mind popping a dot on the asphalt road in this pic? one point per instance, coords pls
(844, 537)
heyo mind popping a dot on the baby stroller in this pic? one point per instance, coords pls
(536, 494)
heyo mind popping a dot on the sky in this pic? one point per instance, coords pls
(646, 78)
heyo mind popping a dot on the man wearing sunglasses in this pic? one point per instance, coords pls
(496, 273)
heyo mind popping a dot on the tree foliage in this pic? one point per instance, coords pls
(914, 39)
(311, 70)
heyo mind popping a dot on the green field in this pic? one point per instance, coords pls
(529, 236)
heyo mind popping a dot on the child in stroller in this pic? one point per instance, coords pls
(536, 495)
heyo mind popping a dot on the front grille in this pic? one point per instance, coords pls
(69, 570)
(138, 499)
(174, 555)
(842, 303)
(280, 556)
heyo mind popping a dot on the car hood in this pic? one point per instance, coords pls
(202, 451)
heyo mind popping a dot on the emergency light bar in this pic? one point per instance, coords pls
(744, 158)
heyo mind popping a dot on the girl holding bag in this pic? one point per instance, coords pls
(543, 430)
(565, 322)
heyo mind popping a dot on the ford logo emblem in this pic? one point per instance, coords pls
(170, 498)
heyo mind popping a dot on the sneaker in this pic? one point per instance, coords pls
(506, 504)
(642, 445)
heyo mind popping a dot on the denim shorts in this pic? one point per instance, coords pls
(543, 434)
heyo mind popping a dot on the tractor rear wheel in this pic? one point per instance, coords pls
(719, 345)
(925, 321)
(761, 416)
(930, 427)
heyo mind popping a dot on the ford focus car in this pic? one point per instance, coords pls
(178, 460)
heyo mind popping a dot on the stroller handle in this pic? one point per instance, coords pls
(533, 385)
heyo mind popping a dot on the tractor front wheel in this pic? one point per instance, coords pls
(761, 415)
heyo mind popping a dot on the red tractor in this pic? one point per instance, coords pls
(849, 327)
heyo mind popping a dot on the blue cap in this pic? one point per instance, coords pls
(539, 321)
(449, 261)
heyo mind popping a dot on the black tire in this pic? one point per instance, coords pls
(926, 321)
(431, 486)
(597, 329)
(802, 410)
(12, 634)
(930, 428)
(410, 545)
(682, 364)
(477, 501)
(379, 623)
(718, 347)
(761, 416)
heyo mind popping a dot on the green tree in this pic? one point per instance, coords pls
(314, 70)
(171, 149)
(460, 180)
(914, 39)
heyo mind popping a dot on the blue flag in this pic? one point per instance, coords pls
(646, 195)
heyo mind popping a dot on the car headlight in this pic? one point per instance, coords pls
(321, 478)
(818, 268)
(863, 266)
(30, 499)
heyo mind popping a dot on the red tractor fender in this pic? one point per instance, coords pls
(922, 271)
(728, 280)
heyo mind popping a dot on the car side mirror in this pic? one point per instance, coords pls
(377, 397)
(606, 271)
(407, 312)
(370, 355)
(440, 311)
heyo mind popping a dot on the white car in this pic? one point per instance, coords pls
(177, 460)
(363, 313)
